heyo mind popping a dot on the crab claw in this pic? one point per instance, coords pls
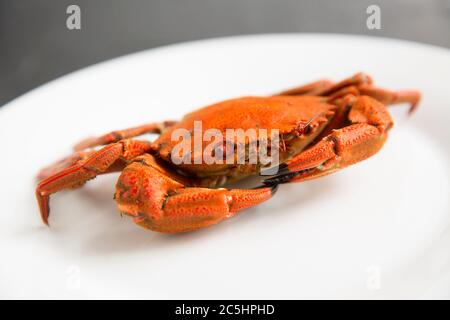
(312, 163)
(338, 150)
(159, 200)
(342, 147)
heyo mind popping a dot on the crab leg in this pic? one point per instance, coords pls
(73, 175)
(327, 88)
(62, 164)
(359, 84)
(342, 147)
(355, 81)
(118, 135)
(160, 201)
(388, 97)
(310, 89)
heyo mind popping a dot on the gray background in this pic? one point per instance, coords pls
(36, 46)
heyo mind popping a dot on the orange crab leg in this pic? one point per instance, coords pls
(359, 84)
(327, 88)
(310, 89)
(62, 164)
(160, 201)
(342, 147)
(354, 81)
(388, 97)
(350, 90)
(188, 209)
(85, 168)
(118, 135)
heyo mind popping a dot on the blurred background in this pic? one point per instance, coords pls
(36, 46)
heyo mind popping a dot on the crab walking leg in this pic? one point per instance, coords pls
(310, 89)
(328, 88)
(95, 163)
(118, 135)
(346, 91)
(342, 147)
(361, 84)
(354, 81)
(62, 164)
(158, 200)
(388, 97)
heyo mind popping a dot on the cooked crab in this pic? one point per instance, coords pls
(322, 126)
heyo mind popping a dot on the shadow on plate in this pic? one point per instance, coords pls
(87, 219)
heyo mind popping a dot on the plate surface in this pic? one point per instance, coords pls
(379, 229)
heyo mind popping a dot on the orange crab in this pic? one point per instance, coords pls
(323, 127)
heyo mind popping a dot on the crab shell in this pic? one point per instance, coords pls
(299, 121)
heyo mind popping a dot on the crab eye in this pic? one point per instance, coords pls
(307, 129)
(304, 128)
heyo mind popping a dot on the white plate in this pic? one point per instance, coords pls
(376, 230)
